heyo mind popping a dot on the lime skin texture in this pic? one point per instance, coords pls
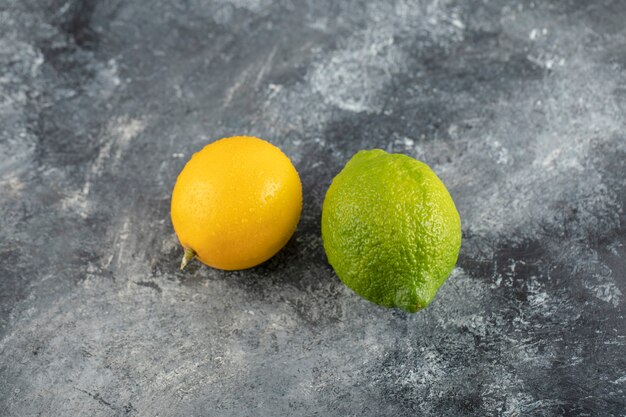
(390, 229)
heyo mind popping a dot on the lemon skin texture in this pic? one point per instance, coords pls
(236, 203)
(390, 229)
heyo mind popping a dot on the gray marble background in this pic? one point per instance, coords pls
(520, 107)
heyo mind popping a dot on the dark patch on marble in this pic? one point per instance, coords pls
(150, 285)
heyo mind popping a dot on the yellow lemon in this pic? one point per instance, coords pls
(236, 203)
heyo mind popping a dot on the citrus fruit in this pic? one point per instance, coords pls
(390, 229)
(236, 203)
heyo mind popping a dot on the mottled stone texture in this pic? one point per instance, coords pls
(519, 106)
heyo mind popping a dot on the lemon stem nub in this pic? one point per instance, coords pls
(187, 257)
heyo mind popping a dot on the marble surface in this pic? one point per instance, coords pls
(520, 107)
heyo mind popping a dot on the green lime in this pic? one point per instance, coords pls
(390, 229)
